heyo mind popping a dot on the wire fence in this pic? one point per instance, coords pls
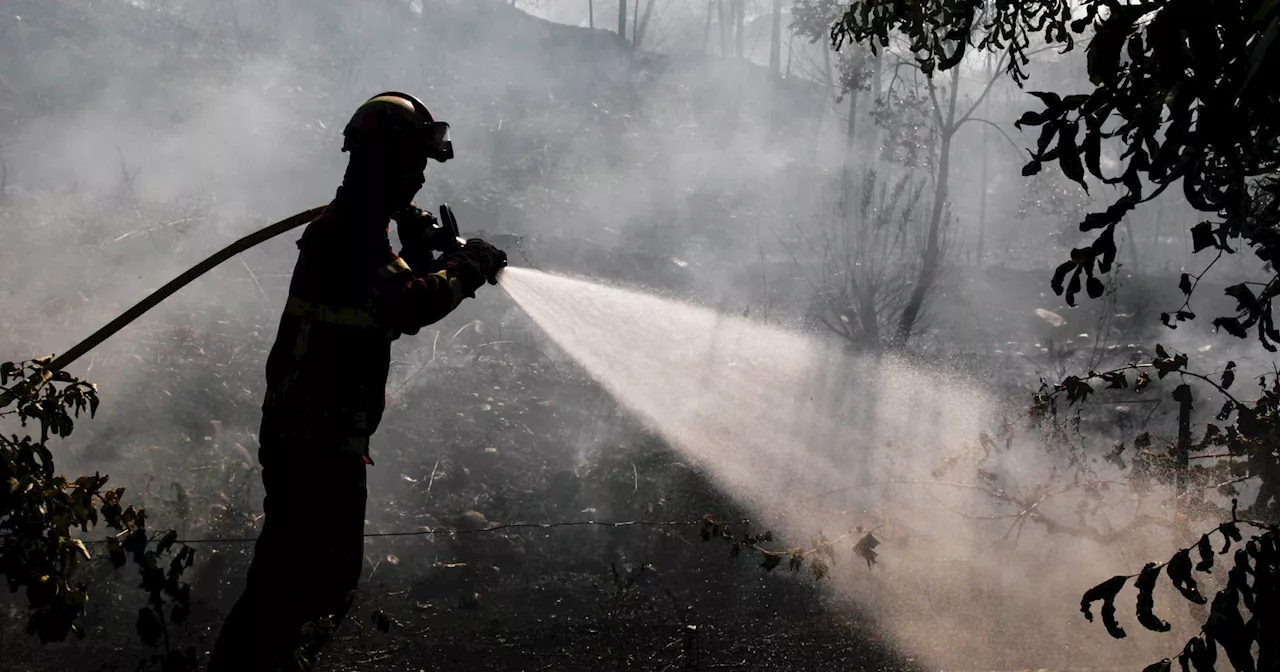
(478, 530)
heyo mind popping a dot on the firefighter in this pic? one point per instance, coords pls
(350, 296)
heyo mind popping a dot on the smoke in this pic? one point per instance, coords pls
(140, 136)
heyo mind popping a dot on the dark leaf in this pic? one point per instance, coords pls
(1165, 665)
(116, 551)
(1094, 287)
(1050, 99)
(1205, 548)
(1029, 118)
(1202, 237)
(1115, 380)
(1179, 572)
(1230, 532)
(1104, 50)
(1146, 584)
(1105, 591)
(1143, 381)
(166, 542)
(1069, 154)
(1226, 626)
(1231, 325)
(1060, 275)
(1202, 654)
(149, 627)
(1229, 375)
(1246, 302)
(1092, 146)
(866, 549)
(770, 561)
(1184, 283)
(1073, 288)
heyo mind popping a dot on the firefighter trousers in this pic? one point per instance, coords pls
(307, 561)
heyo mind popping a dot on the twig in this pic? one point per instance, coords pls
(433, 475)
(254, 278)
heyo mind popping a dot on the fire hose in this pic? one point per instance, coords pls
(79, 349)
(442, 235)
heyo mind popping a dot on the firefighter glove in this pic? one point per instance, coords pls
(475, 263)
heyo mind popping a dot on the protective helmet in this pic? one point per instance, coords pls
(398, 122)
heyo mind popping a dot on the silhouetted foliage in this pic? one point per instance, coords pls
(821, 555)
(1245, 446)
(40, 512)
(1242, 615)
(1186, 90)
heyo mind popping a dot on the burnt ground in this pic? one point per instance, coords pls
(484, 436)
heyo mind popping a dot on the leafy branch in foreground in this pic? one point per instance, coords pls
(1245, 448)
(1253, 582)
(822, 552)
(39, 511)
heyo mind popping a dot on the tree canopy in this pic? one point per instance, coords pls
(1185, 90)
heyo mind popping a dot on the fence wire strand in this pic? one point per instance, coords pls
(455, 530)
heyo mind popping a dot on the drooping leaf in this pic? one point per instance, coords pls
(1146, 584)
(1060, 276)
(1106, 592)
(1179, 572)
(1226, 626)
(1094, 287)
(1200, 653)
(1073, 288)
(1069, 154)
(1230, 532)
(1205, 548)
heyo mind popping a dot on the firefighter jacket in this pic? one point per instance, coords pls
(349, 298)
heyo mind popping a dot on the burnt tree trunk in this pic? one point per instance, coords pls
(739, 18)
(931, 256)
(775, 41)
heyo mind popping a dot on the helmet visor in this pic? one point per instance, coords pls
(439, 146)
